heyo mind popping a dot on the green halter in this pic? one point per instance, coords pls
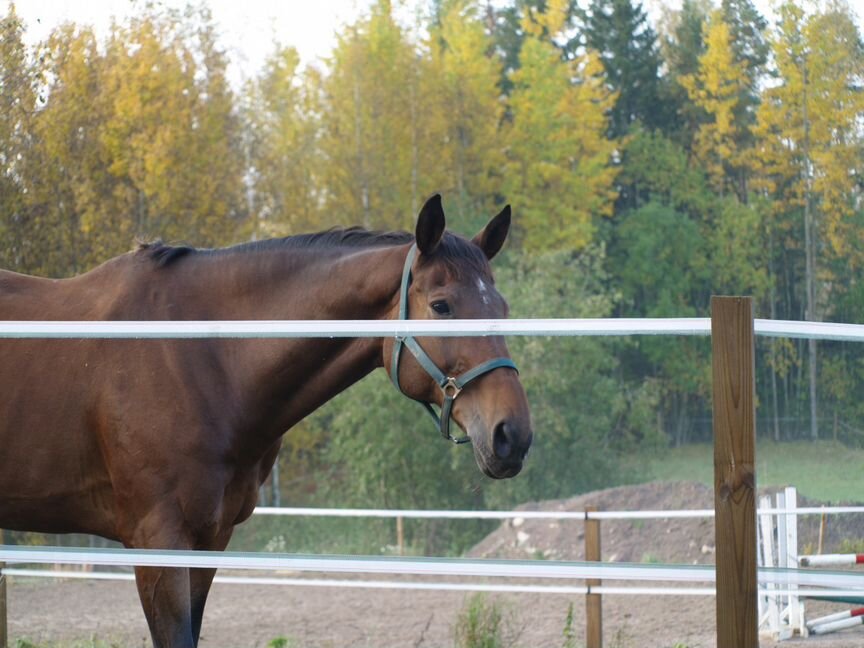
(450, 386)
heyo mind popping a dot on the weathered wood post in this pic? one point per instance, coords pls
(733, 373)
(593, 602)
(4, 633)
(400, 536)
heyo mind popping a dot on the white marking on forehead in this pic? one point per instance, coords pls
(482, 288)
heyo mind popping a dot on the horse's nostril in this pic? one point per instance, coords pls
(502, 442)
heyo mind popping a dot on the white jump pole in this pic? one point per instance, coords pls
(831, 560)
(838, 621)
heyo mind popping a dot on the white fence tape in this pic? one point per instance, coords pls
(414, 566)
(457, 587)
(419, 328)
(537, 515)
(384, 584)
(483, 515)
(353, 328)
(351, 564)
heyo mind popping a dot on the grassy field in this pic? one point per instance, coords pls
(824, 470)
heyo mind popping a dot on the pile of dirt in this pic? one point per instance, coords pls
(684, 541)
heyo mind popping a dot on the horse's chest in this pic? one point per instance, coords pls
(241, 493)
(240, 499)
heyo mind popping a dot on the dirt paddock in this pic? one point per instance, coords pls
(241, 616)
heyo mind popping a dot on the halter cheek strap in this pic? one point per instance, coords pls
(450, 386)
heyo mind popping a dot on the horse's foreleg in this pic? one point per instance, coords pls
(200, 581)
(199, 587)
(165, 597)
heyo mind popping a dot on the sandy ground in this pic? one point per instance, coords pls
(240, 616)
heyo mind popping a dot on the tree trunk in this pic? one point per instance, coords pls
(810, 264)
(358, 134)
(415, 156)
(773, 343)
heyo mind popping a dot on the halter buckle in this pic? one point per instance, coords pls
(450, 388)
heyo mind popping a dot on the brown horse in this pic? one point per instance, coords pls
(163, 443)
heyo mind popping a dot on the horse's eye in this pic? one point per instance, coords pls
(441, 307)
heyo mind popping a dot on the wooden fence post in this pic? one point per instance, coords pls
(733, 372)
(4, 633)
(400, 536)
(593, 602)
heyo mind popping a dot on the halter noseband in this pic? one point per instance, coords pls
(450, 386)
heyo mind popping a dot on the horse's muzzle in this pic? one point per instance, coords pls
(502, 457)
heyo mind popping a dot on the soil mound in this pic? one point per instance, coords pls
(685, 541)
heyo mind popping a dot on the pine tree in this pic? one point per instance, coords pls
(505, 24)
(808, 139)
(717, 88)
(178, 178)
(466, 108)
(17, 106)
(627, 45)
(281, 122)
(747, 39)
(212, 191)
(371, 111)
(560, 175)
(682, 45)
(107, 165)
(66, 168)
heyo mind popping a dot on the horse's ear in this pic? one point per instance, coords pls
(492, 237)
(430, 225)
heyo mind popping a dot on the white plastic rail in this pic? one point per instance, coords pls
(414, 566)
(628, 590)
(351, 328)
(537, 515)
(418, 328)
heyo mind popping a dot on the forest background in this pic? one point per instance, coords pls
(650, 164)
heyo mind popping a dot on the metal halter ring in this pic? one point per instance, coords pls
(451, 384)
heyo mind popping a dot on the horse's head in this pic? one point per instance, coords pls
(470, 378)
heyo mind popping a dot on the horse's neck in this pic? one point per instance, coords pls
(302, 284)
(279, 382)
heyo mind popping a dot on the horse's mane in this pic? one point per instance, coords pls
(453, 249)
(163, 254)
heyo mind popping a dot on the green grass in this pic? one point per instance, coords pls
(282, 642)
(484, 622)
(824, 470)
